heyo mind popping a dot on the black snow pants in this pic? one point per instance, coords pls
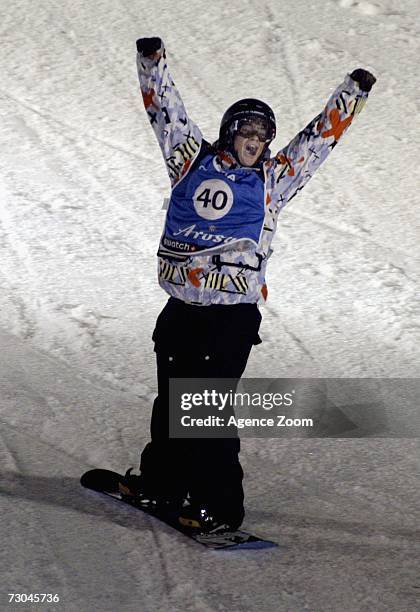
(198, 342)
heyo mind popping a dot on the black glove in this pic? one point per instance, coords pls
(148, 46)
(365, 79)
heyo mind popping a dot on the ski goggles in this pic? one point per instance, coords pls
(260, 129)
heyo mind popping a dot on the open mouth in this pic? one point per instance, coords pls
(251, 149)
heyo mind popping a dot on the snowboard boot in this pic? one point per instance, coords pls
(200, 519)
(132, 487)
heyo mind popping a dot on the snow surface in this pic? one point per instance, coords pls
(81, 188)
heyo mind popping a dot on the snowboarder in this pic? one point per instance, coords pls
(220, 222)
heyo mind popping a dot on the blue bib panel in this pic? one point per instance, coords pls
(212, 207)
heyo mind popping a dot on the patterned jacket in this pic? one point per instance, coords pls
(235, 273)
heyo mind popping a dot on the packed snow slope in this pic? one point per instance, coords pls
(345, 512)
(82, 182)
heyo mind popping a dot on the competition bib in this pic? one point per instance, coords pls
(211, 208)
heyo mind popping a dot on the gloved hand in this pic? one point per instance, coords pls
(148, 46)
(365, 79)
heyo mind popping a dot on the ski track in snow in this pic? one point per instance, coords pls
(72, 128)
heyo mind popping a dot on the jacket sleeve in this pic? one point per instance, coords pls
(296, 163)
(178, 136)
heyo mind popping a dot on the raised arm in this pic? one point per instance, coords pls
(296, 163)
(178, 136)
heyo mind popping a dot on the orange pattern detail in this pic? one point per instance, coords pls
(192, 276)
(284, 160)
(148, 99)
(186, 166)
(337, 126)
(264, 291)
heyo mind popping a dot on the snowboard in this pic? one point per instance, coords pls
(107, 483)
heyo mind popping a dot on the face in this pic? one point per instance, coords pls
(249, 142)
(248, 149)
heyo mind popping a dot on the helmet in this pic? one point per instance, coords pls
(246, 109)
